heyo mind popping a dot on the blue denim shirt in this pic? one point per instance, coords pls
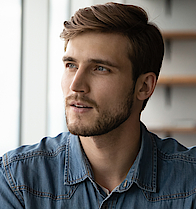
(56, 174)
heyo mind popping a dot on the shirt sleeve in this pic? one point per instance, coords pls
(8, 198)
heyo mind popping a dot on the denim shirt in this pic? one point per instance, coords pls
(56, 174)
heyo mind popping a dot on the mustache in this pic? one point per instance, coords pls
(79, 98)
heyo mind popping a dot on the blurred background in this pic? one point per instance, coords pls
(31, 101)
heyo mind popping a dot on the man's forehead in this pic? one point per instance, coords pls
(118, 37)
(102, 44)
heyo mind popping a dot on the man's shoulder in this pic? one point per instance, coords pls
(36, 170)
(175, 168)
(171, 149)
(172, 152)
(47, 147)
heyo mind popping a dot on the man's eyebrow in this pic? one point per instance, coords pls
(97, 61)
(103, 62)
(69, 59)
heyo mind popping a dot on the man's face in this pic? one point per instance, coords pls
(97, 83)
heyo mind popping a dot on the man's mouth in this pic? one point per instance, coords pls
(80, 106)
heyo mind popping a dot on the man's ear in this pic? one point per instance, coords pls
(145, 85)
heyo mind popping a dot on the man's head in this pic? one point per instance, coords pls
(97, 83)
(145, 47)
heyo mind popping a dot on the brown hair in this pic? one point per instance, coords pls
(146, 48)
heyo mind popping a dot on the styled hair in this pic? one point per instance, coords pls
(146, 47)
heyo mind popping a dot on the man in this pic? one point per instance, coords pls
(108, 159)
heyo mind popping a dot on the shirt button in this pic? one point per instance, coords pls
(125, 184)
(105, 207)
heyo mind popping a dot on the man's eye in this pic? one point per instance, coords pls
(102, 69)
(70, 66)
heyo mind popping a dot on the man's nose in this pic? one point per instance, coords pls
(80, 82)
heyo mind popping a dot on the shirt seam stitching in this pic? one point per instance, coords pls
(181, 157)
(34, 154)
(46, 194)
(10, 178)
(170, 196)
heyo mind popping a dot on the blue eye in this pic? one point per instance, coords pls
(103, 69)
(70, 65)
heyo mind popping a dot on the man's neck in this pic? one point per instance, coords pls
(112, 155)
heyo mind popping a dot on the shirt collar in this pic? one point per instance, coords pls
(77, 167)
(143, 172)
(145, 168)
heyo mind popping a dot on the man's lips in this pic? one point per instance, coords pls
(79, 105)
(78, 102)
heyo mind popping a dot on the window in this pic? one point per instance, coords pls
(10, 54)
(59, 12)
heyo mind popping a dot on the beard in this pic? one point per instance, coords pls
(106, 121)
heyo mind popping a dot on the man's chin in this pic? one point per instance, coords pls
(79, 131)
(87, 132)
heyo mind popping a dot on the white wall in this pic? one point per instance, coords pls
(34, 70)
(10, 20)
